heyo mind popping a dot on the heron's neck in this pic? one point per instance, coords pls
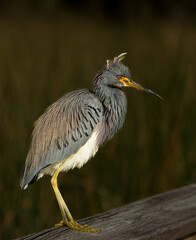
(115, 107)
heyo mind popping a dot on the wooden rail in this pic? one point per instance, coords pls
(167, 216)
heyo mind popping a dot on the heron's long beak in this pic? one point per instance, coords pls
(129, 83)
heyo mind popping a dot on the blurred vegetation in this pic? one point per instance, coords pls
(47, 53)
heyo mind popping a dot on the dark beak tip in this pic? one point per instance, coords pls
(155, 94)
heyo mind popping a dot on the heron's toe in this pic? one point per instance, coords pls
(84, 228)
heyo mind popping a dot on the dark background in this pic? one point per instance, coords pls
(48, 48)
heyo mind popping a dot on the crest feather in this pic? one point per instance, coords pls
(116, 59)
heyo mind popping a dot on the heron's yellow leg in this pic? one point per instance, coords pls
(67, 218)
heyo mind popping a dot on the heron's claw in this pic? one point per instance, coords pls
(61, 223)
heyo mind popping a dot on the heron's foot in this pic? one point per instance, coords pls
(76, 226)
(61, 223)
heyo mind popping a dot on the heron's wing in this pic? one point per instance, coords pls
(62, 130)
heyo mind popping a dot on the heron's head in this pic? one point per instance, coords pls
(118, 75)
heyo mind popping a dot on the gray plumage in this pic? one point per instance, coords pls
(61, 131)
(70, 122)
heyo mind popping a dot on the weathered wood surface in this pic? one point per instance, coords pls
(167, 216)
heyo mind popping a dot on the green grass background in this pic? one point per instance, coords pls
(44, 56)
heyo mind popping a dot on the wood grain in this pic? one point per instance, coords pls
(167, 216)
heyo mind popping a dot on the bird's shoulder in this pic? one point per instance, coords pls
(76, 99)
(78, 102)
(81, 98)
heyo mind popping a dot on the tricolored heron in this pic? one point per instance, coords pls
(72, 129)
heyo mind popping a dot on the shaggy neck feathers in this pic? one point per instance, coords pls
(115, 104)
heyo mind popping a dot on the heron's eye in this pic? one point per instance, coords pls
(123, 79)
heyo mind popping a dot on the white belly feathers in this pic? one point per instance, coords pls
(87, 151)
